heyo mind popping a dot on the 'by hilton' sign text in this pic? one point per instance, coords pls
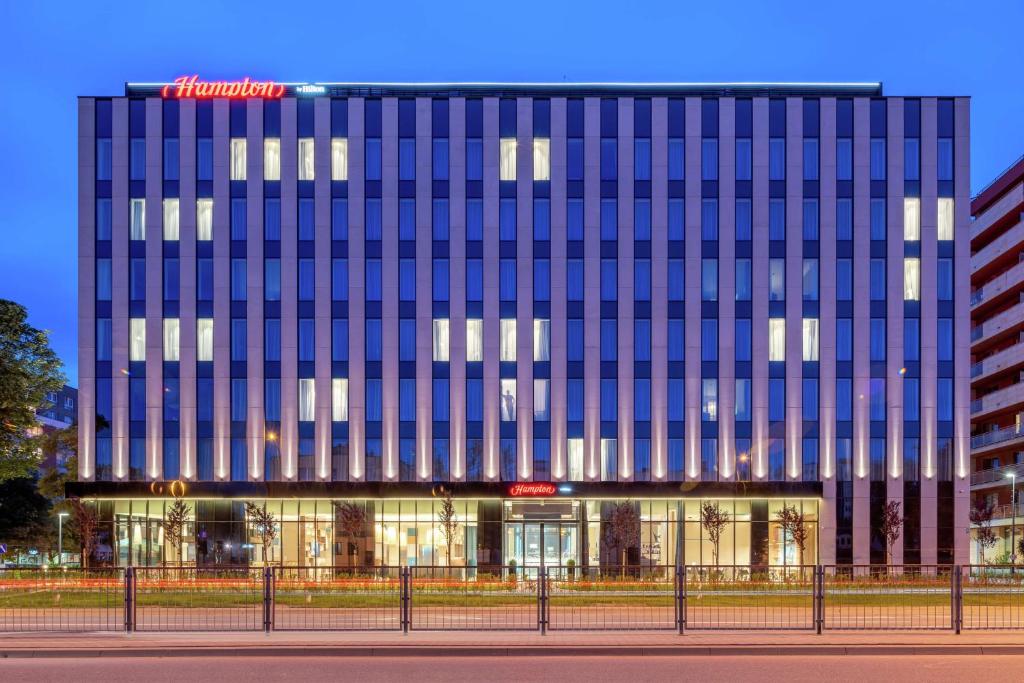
(532, 489)
(191, 86)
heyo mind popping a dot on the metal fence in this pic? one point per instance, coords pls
(557, 598)
(62, 600)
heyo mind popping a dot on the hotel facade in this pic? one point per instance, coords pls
(544, 301)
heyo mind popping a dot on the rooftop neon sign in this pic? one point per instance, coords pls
(191, 86)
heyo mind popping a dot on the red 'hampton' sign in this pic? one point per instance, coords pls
(191, 86)
(531, 489)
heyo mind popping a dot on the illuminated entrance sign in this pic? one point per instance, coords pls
(310, 89)
(191, 86)
(532, 489)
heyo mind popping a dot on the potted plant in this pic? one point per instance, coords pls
(512, 576)
(571, 566)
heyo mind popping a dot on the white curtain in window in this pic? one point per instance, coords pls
(306, 159)
(911, 279)
(138, 219)
(912, 219)
(137, 339)
(507, 161)
(541, 159)
(541, 340)
(508, 400)
(441, 326)
(272, 158)
(339, 158)
(945, 218)
(339, 399)
(238, 158)
(777, 339)
(204, 220)
(609, 468)
(307, 400)
(575, 459)
(171, 219)
(508, 340)
(171, 337)
(541, 399)
(204, 339)
(474, 340)
(810, 339)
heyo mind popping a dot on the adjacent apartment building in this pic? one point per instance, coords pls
(997, 350)
(546, 300)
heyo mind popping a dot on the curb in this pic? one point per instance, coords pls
(524, 651)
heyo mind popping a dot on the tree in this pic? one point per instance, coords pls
(351, 520)
(714, 520)
(29, 370)
(1020, 549)
(174, 522)
(264, 525)
(981, 518)
(624, 528)
(794, 526)
(448, 523)
(86, 521)
(25, 521)
(891, 527)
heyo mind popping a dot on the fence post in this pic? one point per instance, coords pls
(957, 607)
(268, 602)
(819, 599)
(129, 599)
(680, 600)
(405, 586)
(542, 600)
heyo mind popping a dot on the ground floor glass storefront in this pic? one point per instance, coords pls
(487, 532)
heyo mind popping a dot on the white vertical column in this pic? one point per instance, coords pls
(659, 288)
(255, 415)
(356, 290)
(759, 299)
(559, 372)
(827, 332)
(492, 433)
(389, 289)
(457, 286)
(626, 297)
(187, 278)
(524, 288)
(861, 321)
(693, 289)
(221, 292)
(894, 310)
(726, 287)
(119, 295)
(86, 288)
(794, 286)
(322, 287)
(289, 291)
(154, 289)
(961, 323)
(929, 317)
(592, 288)
(424, 292)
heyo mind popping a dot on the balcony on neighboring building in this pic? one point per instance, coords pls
(998, 326)
(1010, 241)
(1010, 358)
(1000, 285)
(996, 476)
(999, 401)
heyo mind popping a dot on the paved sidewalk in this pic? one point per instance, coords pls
(502, 644)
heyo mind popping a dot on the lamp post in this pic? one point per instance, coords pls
(1012, 476)
(60, 538)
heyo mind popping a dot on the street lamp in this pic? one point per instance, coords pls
(1012, 476)
(60, 538)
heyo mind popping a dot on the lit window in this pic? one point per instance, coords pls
(507, 167)
(542, 340)
(709, 400)
(339, 399)
(508, 400)
(204, 339)
(609, 464)
(339, 158)
(138, 219)
(810, 339)
(474, 340)
(441, 327)
(508, 340)
(911, 279)
(137, 339)
(204, 220)
(542, 399)
(272, 159)
(574, 455)
(305, 158)
(945, 219)
(238, 158)
(912, 219)
(307, 400)
(541, 159)
(171, 338)
(171, 220)
(777, 339)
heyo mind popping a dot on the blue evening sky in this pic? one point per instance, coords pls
(55, 51)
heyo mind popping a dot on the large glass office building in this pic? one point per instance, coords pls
(660, 295)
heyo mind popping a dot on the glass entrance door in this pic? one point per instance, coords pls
(527, 543)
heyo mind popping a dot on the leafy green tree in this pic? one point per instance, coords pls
(25, 521)
(29, 369)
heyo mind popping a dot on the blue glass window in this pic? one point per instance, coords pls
(339, 219)
(474, 159)
(507, 220)
(407, 219)
(676, 399)
(374, 411)
(911, 399)
(743, 219)
(878, 219)
(407, 339)
(743, 340)
(776, 219)
(541, 219)
(877, 399)
(474, 220)
(439, 400)
(609, 400)
(810, 219)
(709, 339)
(844, 399)
(574, 400)
(474, 280)
(844, 339)
(642, 400)
(373, 219)
(339, 279)
(776, 158)
(911, 339)
(574, 339)
(743, 279)
(440, 284)
(676, 280)
(239, 395)
(642, 280)
(844, 279)
(272, 219)
(877, 341)
(238, 279)
(609, 339)
(239, 219)
(574, 158)
(609, 158)
(676, 159)
(776, 399)
(676, 220)
(642, 340)
(574, 220)
(810, 158)
(744, 158)
(507, 279)
(541, 280)
(307, 339)
(844, 219)
(641, 219)
(204, 279)
(609, 280)
(709, 159)
(373, 280)
(440, 219)
(339, 339)
(239, 339)
(272, 339)
(709, 219)
(307, 228)
(810, 399)
(743, 413)
(609, 220)
(474, 400)
(307, 282)
(373, 339)
(676, 339)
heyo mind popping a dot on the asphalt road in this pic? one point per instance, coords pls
(493, 670)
